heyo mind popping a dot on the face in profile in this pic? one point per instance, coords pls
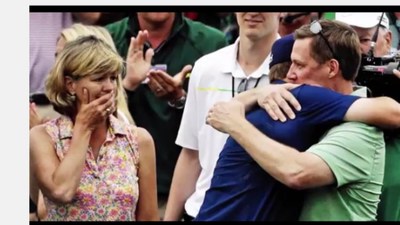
(257, 25)
(304, 68)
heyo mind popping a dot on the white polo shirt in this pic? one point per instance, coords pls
(210, 82)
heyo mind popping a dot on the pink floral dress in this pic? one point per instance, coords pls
(109, 187)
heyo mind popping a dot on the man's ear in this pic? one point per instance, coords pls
(70, 84)
(333, 68)
(388, 38)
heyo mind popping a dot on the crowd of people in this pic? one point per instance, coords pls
(247, 116)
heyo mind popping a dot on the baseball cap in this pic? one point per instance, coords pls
(281, 50)
(363, 20)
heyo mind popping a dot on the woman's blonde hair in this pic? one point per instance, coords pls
(78, 30)
(82, 57)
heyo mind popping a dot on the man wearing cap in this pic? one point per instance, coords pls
(349, 160)
(366, 24)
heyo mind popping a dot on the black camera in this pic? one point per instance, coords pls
(376, 73)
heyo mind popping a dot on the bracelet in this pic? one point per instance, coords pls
(179, 103)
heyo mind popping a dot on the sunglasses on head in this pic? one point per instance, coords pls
(316, 28)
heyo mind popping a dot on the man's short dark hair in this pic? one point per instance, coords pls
(343, 40)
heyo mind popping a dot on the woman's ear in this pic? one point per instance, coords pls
(70, 84)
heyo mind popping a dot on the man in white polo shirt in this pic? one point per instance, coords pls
(218, 76)
(366, 24)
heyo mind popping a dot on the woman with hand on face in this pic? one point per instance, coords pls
(88, 164)
(38, 114)
(78, 30)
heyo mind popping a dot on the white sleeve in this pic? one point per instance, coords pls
(188, 130)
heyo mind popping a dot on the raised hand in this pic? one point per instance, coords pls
(166, 87)
(137, 63)
(93, 113)
(275, 98)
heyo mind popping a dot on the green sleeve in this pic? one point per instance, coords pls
(352, 151)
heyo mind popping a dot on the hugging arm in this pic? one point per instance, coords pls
(293, 168)
(267, 94)
(383, 112)
(286, 164)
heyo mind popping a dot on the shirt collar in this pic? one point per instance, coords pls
(232, 51)
(116, 127)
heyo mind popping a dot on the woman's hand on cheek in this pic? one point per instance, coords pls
(92, 113)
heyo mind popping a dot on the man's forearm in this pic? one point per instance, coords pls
(275, 158)
(383, 112)
(280, 161)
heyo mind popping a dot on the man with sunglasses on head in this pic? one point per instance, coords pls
(344, 171)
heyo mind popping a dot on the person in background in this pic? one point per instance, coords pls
(160, 49)
(110, 17)
(366, 25)
(216, 77)
(44, 29)
(224, 21)
(88, 164)
(394, 26)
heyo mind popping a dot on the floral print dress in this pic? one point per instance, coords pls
(109, 188)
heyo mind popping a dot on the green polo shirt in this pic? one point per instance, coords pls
(188, 41)
(355, 152)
